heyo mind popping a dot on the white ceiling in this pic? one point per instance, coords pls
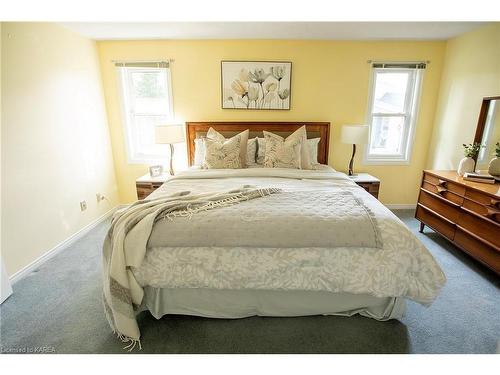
(273, 30)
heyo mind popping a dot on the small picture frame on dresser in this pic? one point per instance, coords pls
(155, 170)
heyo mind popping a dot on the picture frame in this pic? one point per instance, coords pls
(256, 85)
(155, 170)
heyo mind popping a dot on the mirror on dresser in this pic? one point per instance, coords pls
(488, 131)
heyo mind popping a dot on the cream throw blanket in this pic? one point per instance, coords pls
(126, 242)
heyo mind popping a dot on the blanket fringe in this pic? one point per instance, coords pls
(132, 343)
(225, 202)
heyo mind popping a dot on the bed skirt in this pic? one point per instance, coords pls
(231, 304)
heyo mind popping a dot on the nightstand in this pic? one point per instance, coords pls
(146, 184)
(368, 182)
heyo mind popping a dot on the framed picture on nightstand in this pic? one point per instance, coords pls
(155, 170)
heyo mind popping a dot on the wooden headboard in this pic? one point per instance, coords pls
(314, 130)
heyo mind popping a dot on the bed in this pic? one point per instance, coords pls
(320, 245)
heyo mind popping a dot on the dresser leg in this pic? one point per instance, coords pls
(422, 225)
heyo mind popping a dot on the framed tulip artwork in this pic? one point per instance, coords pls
(256, 84)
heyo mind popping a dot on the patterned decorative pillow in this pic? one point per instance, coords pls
(199, 151)
(312, 146)
(301, 135)
(281, 153)
(222, 155)
(214, 134)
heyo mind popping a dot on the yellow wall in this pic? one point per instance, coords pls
(471, 71)
(329, 83)
(55, 139)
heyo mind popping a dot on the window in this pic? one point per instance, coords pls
(147, 102)
(392, 112)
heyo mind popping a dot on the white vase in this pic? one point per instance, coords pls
(494, 167)
(466, 166)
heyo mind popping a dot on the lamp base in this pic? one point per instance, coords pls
(171, 159)
(351, 162)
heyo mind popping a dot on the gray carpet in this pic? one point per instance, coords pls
(58, 308)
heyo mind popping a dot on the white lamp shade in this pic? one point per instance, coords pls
(169, 134)
(354, 134)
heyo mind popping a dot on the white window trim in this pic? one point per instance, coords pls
(123, 89)
(405, 158)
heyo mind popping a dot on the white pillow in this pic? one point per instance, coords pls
(199, 151)
(312, 146)
(214, 134)
(251, 152)
(261, 150)
(282, 153)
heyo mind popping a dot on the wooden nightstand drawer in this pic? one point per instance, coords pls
(146, 184)
(370, 187)
(143, 190)
(369, 183)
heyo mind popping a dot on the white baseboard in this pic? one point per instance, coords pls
(58, 248)
(401, 206)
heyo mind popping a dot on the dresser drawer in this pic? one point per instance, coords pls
(443, 192)
(440, 205)
(450, 186)
(487, 211)
(482, 227)
(435, 221)
(482, 198)
(485, 252)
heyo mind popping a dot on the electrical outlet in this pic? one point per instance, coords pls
(83, 205)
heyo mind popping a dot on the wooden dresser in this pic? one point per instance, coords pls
(466, 213)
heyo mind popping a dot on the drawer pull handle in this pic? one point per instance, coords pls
(495, 203)
(442, 182)
(441, 189)
(491, 212)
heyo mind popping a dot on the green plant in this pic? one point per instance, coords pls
(497, 149)
(472, 149)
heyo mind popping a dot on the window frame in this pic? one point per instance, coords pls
(411, 110)
(129, 127)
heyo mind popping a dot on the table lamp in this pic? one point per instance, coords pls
(354, 134)
(169, 134)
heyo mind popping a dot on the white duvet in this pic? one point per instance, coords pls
(402, 267)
